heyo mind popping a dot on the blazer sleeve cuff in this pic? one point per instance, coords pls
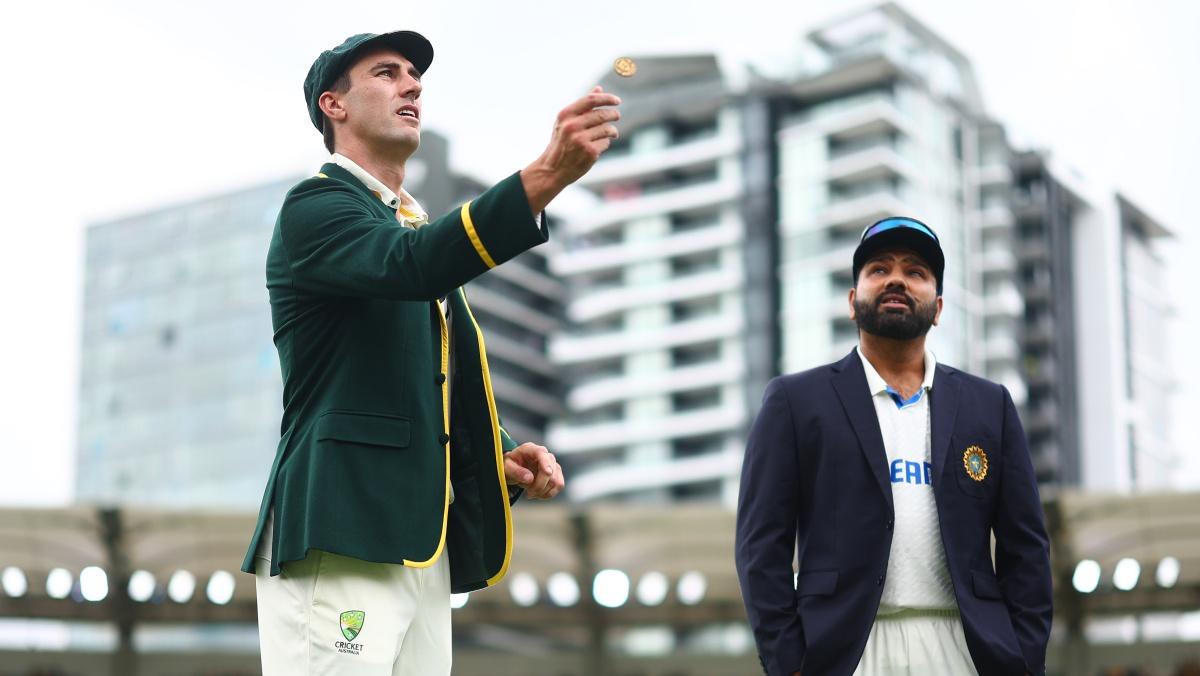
(500, 224)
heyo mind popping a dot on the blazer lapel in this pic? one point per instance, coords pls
(944, 403)
(850, 383)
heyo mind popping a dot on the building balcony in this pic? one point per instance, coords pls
(486, 301)
(1030, 203)
(994, 219)
(621, 388)
(596, 305)
(997, 261)
(590, 485)
(1001, 349)
(1004, 301)
(572, 439)
(638, 167)
(993, 173)
(1039, 333)
(519, 354)
(1040, 372)
(576, 349)
(855, 213)
(876, 117)
(686, 197)
(528, 278)
(1043, 418)
(1035, 251)
(1037, 293)
(840, 259)
(879, 162)
(620, 255)
(509, 391)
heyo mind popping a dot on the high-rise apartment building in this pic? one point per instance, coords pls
(180, 391)
(719, 252)
(656, 356)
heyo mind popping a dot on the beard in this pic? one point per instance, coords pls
(895, 325)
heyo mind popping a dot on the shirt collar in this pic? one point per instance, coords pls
(404, 204)
(876, 382)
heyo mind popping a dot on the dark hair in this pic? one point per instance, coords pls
(339, 86)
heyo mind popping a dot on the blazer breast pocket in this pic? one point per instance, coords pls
(975, 463)
(370, 429)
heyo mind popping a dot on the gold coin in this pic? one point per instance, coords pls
(625, 66)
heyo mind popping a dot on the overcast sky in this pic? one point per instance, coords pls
(115, 107)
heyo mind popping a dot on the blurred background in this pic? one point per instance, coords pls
(1052, 145)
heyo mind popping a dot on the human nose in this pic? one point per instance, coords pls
(410, 87)
(896, 280)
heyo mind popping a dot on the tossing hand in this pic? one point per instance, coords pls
(582, 131)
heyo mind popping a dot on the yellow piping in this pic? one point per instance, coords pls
(495, 420)
(469, 226)
(446, 428)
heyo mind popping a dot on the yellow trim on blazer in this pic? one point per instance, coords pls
(469, 226)
(446, 428)
(495, 420)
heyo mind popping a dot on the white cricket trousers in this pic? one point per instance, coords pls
(917, 643)
(331, 615)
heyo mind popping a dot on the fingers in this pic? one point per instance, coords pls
(548, 484)
(515, 472)
(598, 116)
(540, 473)
(558, 483)
(592, 125)
(593, 99)
(541, 485)
(604, 131)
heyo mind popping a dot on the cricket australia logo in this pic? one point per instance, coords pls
(351, 623)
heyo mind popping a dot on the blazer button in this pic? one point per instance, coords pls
(888, 525)
(440, 379)
(879, 582)
(443, 438)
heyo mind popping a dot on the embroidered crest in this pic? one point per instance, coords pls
(975, 462)
(351, 623)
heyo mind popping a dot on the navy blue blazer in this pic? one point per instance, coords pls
(815, 485)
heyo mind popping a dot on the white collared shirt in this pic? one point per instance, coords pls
(408, 210)
(917, 574)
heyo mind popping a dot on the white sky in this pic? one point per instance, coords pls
(115, 107)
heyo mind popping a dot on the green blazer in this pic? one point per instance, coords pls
(373, 435)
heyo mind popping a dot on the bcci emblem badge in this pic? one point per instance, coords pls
(352, 622)
(976, 463)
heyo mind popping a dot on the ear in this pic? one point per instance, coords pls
(852, 304)
(331, 105)
(938, 315)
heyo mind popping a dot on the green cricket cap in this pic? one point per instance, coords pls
(330, 65)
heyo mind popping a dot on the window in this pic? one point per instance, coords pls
(692, 400)
(689, 355)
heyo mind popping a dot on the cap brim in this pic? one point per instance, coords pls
(903, 238)
(411, 44)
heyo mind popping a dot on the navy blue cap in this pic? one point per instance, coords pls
(901, 232)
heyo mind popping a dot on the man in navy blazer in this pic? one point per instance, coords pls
(885, 476)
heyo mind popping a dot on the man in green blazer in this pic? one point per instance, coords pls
(393, 480)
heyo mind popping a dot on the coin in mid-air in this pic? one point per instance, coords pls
(625, 66)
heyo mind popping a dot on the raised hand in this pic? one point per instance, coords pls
(582, 132)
